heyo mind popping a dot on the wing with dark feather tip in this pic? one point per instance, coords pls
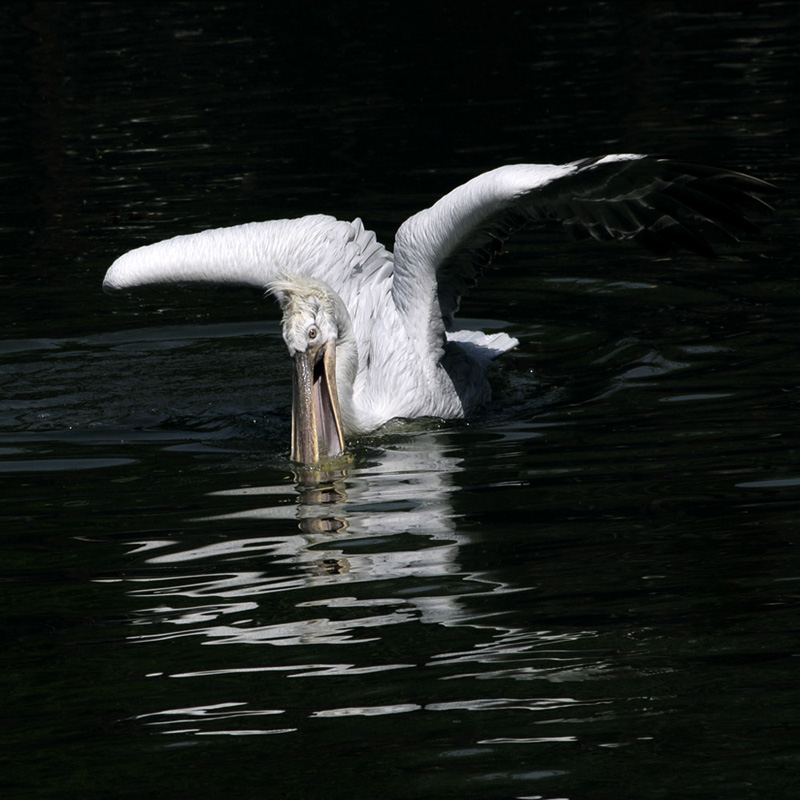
(658, 203)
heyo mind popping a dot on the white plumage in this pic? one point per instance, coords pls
(383, 319)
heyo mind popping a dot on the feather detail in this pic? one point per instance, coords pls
(392, 314)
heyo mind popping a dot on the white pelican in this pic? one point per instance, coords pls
(369, 331)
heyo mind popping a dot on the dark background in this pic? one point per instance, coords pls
(588, 592)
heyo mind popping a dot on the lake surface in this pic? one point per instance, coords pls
(589, 591)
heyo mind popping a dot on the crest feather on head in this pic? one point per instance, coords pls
(294, 292)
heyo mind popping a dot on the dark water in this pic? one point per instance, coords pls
(589, 592)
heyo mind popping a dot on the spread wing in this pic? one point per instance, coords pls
(341, 254)
(658, 203)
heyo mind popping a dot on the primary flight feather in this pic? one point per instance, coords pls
(369, 330)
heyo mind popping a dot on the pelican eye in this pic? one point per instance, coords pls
(313, 333)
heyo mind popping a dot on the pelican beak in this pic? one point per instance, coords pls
(316, 417)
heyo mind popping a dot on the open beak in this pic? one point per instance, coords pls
(316, 418)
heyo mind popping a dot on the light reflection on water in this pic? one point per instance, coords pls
(373, 548)
(391, 521)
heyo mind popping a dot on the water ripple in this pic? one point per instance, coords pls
(188, 719)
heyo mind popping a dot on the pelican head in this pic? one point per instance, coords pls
(317, 331)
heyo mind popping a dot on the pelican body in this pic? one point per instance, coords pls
(369, 331)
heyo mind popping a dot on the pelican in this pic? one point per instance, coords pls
(370, 331)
